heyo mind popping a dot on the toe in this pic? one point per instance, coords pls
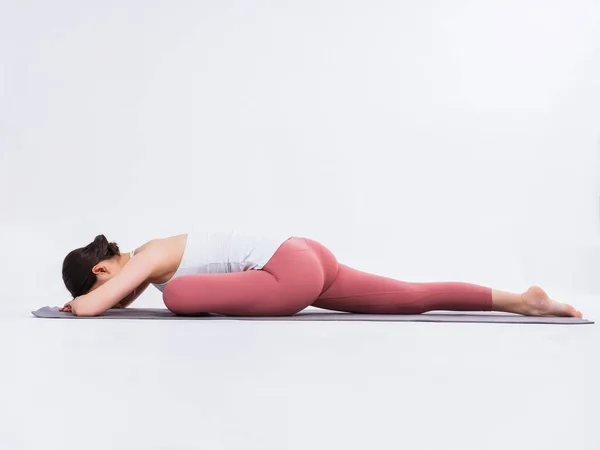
(570, 311)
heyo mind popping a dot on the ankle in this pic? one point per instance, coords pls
(508, 302)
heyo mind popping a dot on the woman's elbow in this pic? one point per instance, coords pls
(86, 312)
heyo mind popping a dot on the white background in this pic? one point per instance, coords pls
(421, 140)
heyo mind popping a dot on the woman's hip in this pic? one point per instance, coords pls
(304, 257)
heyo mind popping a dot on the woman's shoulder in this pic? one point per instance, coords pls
(163, 245)
(164, 255)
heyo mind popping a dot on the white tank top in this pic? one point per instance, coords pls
(225, 252)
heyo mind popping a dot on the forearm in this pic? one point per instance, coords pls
(124, 303)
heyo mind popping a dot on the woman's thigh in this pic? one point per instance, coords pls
(290, 281)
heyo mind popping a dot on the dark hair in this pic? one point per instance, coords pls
(77, 266)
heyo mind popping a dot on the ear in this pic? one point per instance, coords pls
(100, 268)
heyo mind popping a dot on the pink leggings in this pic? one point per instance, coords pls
(303, 272)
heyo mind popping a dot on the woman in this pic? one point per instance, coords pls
(238, 274)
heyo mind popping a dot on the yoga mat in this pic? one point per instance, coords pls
(165, 314)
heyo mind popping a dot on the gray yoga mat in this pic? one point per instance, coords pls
(164, 314)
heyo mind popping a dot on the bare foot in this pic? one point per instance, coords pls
(537, 303)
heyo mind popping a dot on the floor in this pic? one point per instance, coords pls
(181, 385)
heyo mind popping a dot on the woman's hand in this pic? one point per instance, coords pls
(75, 306)
(66, 308)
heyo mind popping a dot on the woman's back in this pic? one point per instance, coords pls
(211, 252)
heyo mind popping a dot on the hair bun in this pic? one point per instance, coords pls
(100, 239)
(103, 248)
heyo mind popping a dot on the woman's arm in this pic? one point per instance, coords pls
(136, 272)
(131, 297)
